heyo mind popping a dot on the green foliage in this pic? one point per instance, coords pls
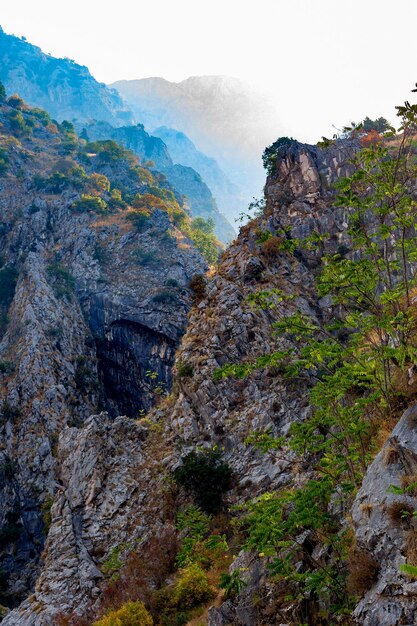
(410, 570)
(112, 565)
(46, 513)
(108, 151)
(16, 102)
(206, 477)
(270, 154)
(145, 257)
(192, 588)
(201, 234)
(116, 200)
(380, 124)
(194, 525)
(354, 367)
(2, 92)
(4, 161)
(6, 367)
(198, 285)
(163, 194)
(19, 124)
(64, 177)
(9, 412)
(165, 296)
(63, 283)
(140, 219)
(8, 281)
(42, 115)
(88, 203)
(85, 379)
(232, 584)
(130, 614)
(185, 370)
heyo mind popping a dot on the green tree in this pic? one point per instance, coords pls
(355, 367)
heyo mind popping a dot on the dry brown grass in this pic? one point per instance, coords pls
(391, 454)
(400, 513)
(411, 547)
(363, 571)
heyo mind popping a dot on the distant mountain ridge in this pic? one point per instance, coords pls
(182, 150)
(185, 179)
(223, 116)
(61, 86)
(68, 91)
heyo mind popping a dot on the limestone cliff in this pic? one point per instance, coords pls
(113, 476)
(92, 310)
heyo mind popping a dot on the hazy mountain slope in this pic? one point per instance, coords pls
(61, 86)
(182, 150)
(184, 179)
(223, 117)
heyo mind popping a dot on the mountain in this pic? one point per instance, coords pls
(61, 86)
(183, 151)
(221, 115)
(68, 91)
(226, 480)
(185, 180)
(94, 295)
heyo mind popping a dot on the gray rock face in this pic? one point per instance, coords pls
(110, 476)
(102, 483)
(382, 531)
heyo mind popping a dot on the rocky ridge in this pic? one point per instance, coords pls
(113, 474)
(92, 311)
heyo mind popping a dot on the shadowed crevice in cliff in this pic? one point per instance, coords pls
(134, 364)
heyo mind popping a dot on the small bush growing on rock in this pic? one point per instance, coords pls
(19, 124)
(140, 219)
(363, 571)
(6, 367)
(206, 477)
(185, 370)
(4, 161)
(144, 257)
(63, 283)
(8, 280)
(90, 203)
(130, 614)
(400, 513)
(9, 412)
(165, 296)
(271, 153)
(192, 588)
(198, 285)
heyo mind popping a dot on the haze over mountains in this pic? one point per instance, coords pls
(201, 116)
(222, 115)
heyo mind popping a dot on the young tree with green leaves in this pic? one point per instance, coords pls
(355, 367)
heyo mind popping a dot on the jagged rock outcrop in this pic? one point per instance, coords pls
(113, 474)
(222, 328)
(61, 86)
(385, 530)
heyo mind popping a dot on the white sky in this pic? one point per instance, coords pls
(325, 61)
